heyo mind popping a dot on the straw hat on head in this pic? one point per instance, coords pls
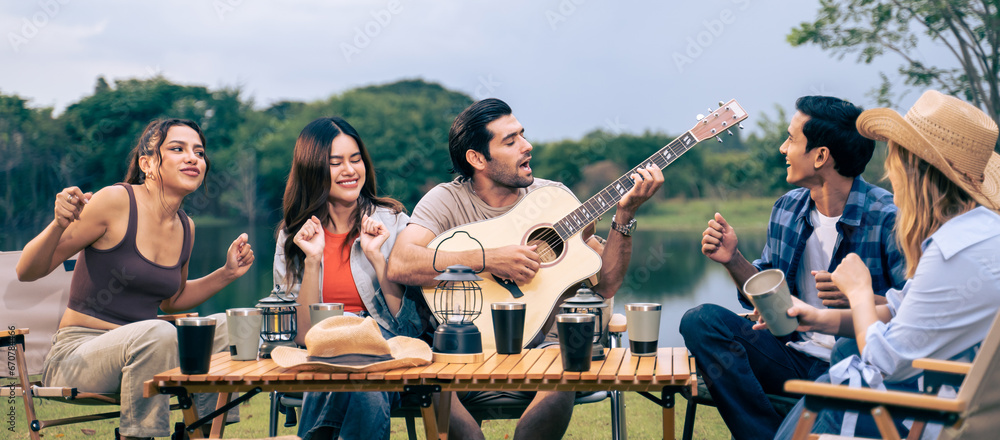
(352, 343)
(953, 136)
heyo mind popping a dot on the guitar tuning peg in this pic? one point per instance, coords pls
(699, 116)
(730, 132)
(718, 139)
(741, 125)
(721, 103)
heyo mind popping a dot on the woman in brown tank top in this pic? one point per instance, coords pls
(136, 241)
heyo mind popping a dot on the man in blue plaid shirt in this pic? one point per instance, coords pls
(812, 228)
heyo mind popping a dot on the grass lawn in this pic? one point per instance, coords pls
(693, 215)
(592, 421)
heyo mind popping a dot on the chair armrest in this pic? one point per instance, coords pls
(618, 323)
(17, 332)
(176, 316)
(751, 316)
(951, 367)
(870, 396)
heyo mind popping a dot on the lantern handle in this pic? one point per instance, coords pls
(434, 261)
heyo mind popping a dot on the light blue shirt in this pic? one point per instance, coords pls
(946, 309)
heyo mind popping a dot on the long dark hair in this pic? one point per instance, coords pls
(149, 144)
(308, 189)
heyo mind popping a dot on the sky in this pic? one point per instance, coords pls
(566, 67)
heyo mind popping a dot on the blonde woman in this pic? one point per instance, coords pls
(946, 179)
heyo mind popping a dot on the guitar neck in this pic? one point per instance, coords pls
(609, 197)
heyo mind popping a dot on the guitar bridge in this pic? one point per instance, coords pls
(510, 286)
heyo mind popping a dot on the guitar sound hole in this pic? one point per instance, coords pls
(550, 246)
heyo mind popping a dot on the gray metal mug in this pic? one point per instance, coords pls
(768, 291)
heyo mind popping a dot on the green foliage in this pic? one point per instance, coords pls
(970, 30)
(404, 125)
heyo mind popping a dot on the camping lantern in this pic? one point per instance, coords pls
(587, 301)
(278, 326)
(458, 300)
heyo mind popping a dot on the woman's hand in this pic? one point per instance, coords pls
(239, 258)
(810, 318)
(853, 278)
(69, 204)
(373, 236)
(310, 238)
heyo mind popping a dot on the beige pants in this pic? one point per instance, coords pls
(119, 361)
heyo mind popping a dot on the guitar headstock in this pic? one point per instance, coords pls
(727, 116)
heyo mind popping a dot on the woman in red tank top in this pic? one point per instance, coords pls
(332, 247)
(136, 241)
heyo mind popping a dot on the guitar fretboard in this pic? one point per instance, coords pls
(608, 197)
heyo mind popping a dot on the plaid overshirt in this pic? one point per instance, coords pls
(865, 228)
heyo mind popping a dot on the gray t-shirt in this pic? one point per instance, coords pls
(452, 204)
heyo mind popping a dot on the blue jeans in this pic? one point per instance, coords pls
(740, 366)
(347, 415)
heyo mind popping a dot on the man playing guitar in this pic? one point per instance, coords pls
(492, 157)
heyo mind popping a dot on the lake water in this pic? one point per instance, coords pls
(666, 268)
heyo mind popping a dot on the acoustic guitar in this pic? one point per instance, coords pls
(553, 218)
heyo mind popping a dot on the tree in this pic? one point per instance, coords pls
(969, 29)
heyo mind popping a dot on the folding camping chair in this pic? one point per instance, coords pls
(972, 414)
(30, 313)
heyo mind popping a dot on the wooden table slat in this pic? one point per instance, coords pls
(681, 371)
(537, 371)
(484, 371)
(614, 360)
(432, 370)
(520, 371)
(275, 374)
(167, 375)
(645, 370)
(448, 372)
(500, 372)
(664, 364)
(241, 369)
(414, 373)
(555, 370)
(629, 366)
(263, 366)
(395, 374)
(595, 368)
(466, 372)
(221, 363)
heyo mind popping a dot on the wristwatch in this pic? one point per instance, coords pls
(625, 229)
